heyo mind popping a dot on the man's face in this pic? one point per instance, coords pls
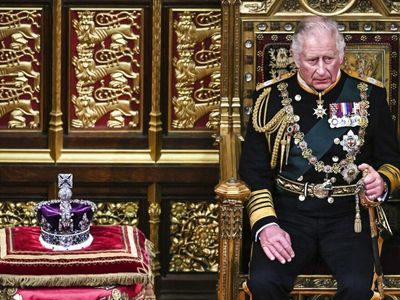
(319, 61)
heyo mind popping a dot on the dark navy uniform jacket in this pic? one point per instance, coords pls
(380, 147)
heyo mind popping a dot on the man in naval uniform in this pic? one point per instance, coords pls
(313, 139)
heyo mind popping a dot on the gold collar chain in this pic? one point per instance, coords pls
(346, 166)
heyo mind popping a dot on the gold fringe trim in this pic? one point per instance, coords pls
(149, 246)
(75, 279)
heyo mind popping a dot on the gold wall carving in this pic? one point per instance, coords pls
(20, 98)
(154, 214)
(394, 6)
(328, 7)
(194, 237)
(306, 283)
(106, 68)
(110, 213)
(196, 69)
(254, 7)
(17, 214)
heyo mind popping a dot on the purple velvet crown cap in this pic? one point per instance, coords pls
(65, 223)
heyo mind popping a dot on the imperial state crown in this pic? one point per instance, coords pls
(65, 223)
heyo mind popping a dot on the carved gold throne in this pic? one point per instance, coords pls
(256, 36)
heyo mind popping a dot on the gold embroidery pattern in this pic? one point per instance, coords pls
(260, 205)
(393, 174)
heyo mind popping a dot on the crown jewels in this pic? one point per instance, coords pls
(65, 223)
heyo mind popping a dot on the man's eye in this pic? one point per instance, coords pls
(328, 59)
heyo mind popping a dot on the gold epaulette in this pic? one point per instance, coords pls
(368, 80)
(273, 80)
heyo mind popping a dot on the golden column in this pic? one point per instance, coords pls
(232, 193)
(55, 124)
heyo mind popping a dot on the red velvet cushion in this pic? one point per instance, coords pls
(119, 292)
(117, 256)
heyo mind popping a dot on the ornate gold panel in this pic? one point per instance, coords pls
(328, 7)
(17, 214)
(110, 213)
(325, 283)
(195, 61)
(194, 237)
(20, 69)
(106, 69)
(320, 7)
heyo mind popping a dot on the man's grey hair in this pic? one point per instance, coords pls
(309, 24)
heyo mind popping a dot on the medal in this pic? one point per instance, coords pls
(344, 114)
(320, 111)
(350, 142)
(350, 172)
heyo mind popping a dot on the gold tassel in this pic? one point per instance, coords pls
(283, 150)
(280, 135)
(357, 219)
(288, 139)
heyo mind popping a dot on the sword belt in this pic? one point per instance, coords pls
(319, 190)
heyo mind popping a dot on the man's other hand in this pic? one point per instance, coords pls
(373, 182)
(276, 244)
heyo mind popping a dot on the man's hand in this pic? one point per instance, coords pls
(276, 244)
(373, 182)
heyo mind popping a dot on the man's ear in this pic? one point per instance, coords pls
(342, 58)
(295, 59)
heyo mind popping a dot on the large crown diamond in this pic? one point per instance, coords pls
(65, 223)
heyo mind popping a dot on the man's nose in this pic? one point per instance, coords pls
(321, 67)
